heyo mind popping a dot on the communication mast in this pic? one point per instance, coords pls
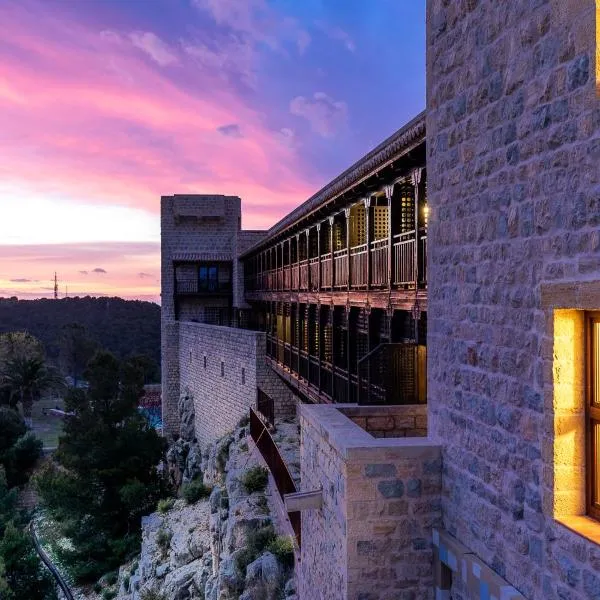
(55, 286)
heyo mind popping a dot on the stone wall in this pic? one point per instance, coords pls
(221, 368)
(390, 421)
(218, 367)
(372, 537)
(513, 135)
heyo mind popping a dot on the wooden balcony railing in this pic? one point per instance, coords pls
(404, 272)
(358, 265)
(197, 286)
(326, 271)
(314, 273)
(379, 263)
(361, 266)
(303, 265)
(340, 258)
(393, 374)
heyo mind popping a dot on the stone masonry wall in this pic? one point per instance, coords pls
(390, 421)
(284, 399)
(225, 389)
(190, 224)
(372, 537)
(513, 135)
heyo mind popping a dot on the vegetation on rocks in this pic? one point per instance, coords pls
(195, 490)
(22, 575)
(255, 479)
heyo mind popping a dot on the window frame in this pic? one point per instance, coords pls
(592, 417)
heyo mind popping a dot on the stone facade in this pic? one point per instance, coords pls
(513, 129)
(221, 368)
(371, 538)
(195, 228)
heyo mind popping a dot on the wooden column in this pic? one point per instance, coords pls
(369, 236)
(297, 266)
(331, 222)
(416, 180)
(319, 257)
(308, 260)
(349, 269)
(389, 192)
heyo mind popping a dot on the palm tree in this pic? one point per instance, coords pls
(26, 379)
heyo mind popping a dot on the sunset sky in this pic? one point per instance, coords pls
(107, 104)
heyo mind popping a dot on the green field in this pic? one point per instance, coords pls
(47, 427)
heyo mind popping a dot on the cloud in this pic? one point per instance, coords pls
(256, 21)
(99, 270)
(125, 131)
(119, 259)
(145, 275)
(325, 115)
(154, 47)
(83, 272)
(232, 130)
(338, 34)
(22, 280)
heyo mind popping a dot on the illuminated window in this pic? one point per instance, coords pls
(593, 414)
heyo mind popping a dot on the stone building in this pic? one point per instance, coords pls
(469, 240)
(513, 130)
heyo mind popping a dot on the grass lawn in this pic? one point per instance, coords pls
(47, 427)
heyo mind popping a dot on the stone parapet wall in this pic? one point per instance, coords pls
(372, 537)
(284, 399)
(390, 421)
(222, 367)
(513, 142)
(222, 393)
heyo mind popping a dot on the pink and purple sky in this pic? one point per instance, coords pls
(105, 105)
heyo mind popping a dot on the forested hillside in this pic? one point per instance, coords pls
(123, 327)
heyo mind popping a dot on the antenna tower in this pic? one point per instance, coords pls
(55, 286)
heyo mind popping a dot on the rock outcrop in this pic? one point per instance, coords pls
(222, 547)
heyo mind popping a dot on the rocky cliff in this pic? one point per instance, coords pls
(225, 546)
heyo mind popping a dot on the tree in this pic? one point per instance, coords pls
(27, 379)
(19, 344)
(76, 350)
(107, 476)
(16, 345)
(21, 573)
(19, 448)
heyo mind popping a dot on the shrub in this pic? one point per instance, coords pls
(163, 539)
(223, 456)
(283, 548)
(245, 420)
(126, 580)
(108, 594)
(194, 491)
(258, 540)
(27, 450)
(152, 594)
(165, 505)
(255, 479)
(111, 578)
(97, 588)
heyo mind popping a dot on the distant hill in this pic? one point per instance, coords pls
(124, 327)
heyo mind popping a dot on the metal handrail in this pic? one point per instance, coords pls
(281, 475)
(62, 584)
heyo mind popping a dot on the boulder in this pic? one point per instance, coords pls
(265, 569)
